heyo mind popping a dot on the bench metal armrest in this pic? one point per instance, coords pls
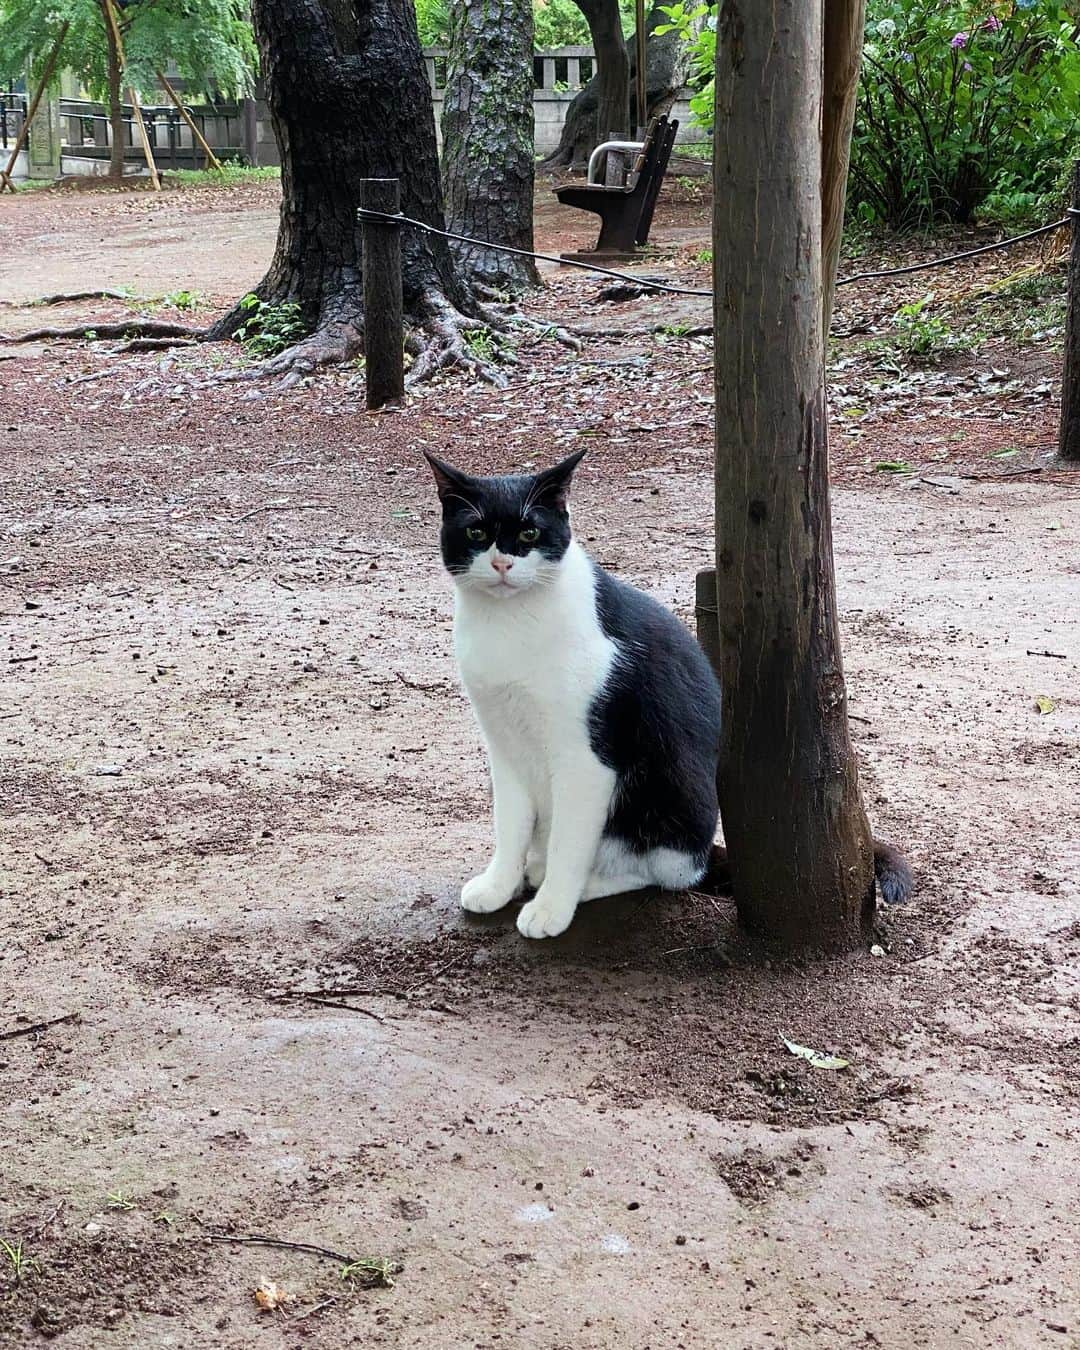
(601, 150)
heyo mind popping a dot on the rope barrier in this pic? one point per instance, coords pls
(398, 218)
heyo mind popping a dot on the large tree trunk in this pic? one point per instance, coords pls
(487, 127)
(667, 62)
(349, 100)
(842, 48)
(612, 74)
(798, 839)
(114, 72)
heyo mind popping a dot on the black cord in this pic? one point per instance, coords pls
(390, 218)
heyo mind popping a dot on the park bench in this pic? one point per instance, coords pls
(626, 212)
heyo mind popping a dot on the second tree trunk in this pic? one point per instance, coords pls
(487, 127)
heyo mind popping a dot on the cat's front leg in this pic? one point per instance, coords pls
(515, 814)
(581, 791)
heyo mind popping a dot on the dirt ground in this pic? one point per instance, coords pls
(241, 790)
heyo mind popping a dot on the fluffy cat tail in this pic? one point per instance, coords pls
(895, 879)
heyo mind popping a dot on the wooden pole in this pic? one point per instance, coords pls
(46, 76)
(642, 85)
(1069, 434)
(842, 44)
(148, 153)
(384, 332)
(797, 836)
(211, 158)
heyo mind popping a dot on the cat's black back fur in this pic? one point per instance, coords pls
(656, 722)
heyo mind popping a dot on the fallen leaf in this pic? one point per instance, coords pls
(1044, 703)
(892, 466)
(270, 1295)
(815, 1057)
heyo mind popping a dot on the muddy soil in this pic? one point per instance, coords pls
(241, 790)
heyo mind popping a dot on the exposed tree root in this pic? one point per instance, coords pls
(331, 344)
(69, 297)
(132, 328)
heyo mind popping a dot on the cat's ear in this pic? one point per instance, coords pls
(449, 481)
(552, 487)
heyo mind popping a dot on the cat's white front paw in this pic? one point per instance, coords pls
(487, 893)
(546, 916)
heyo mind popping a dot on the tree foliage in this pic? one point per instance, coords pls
(209, 42)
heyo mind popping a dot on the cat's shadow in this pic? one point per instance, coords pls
(639, 928)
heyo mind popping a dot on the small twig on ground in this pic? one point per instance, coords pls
(38, 1026)
(441, 688)
(326, 1303)
(380, 1269)
(42, 859)
(282, 506)
(1059, 656)
(434, 975)
(42, 1228)
(335, 1003)
(93, 375)
(856, 717)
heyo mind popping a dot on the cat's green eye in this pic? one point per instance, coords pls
(475, 536)
(529, 536)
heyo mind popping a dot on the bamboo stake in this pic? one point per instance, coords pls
(212, 159)
(50, 64)
(144, 137)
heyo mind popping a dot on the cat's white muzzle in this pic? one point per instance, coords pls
(501, 575)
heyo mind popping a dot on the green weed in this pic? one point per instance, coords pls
(269, 328)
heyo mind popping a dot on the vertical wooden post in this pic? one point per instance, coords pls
(615, 163)
(144, 136)
(642, 98)
(797, 836)
(1069, 435)
(384, 333)
(46, 76)
(707, 617)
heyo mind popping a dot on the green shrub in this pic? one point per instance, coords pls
(268, 329)
(963, 106)
(960, 102)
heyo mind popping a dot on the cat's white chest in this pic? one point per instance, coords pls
(533, 664)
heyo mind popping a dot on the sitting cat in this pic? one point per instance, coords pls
(600, 712)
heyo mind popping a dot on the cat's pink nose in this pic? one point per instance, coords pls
(502, 564)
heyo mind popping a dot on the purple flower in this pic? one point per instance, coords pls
(907, 56)
(960, 40)
(968, 65)
(992, 24)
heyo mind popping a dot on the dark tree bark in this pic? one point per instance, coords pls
(349, 100)
(667, 65)
(1069, 435)
(612, 74)
(114, 72)
(487, 128)
(798, 840)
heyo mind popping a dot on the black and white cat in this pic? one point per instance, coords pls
(600, 712)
